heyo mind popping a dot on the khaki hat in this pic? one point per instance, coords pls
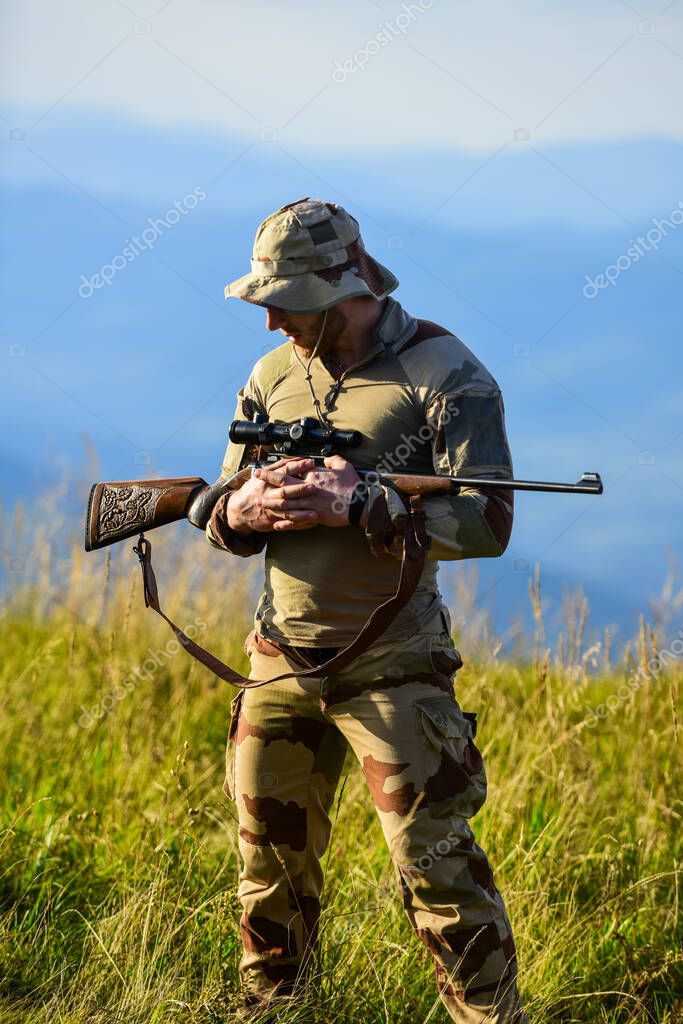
(308, 256)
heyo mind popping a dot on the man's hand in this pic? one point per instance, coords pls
(328, 495)
(283, 501)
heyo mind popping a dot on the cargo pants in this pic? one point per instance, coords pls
(287, 743)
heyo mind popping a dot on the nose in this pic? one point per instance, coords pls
(274, 319)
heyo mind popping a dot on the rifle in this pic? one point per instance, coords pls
(117, 510)
(122, 509)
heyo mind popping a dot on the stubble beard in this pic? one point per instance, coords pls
(335, 325)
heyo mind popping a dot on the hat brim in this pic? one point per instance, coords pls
(310, 293)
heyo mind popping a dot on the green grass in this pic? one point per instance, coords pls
(118, 860)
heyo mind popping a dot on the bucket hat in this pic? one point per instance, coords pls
(308, 256)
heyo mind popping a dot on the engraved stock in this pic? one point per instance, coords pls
(121, 509)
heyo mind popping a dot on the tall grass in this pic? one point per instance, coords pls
(118, 860)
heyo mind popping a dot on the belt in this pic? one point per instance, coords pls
(315, 655)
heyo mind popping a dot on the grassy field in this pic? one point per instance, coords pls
(118, 859)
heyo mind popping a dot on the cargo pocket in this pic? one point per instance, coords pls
(231, 747)
(444, 657)
(455, 779)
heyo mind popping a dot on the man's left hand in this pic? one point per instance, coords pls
(335, 485)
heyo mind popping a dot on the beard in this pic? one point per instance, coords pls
(335, 325)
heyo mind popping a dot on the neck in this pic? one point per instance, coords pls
(357, 338)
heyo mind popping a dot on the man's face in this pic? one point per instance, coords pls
(303, 329)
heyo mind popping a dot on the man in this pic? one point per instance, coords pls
(354, 359)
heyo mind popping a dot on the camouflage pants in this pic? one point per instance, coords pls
(287, 743)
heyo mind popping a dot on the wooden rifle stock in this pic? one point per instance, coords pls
(127, 507)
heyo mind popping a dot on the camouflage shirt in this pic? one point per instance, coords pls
(424, 404)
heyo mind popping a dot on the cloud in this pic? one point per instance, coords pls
(426, 73)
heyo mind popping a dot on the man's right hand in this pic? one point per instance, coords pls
(261, 507)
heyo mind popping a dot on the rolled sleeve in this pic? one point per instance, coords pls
(219, 534)
(384, 520)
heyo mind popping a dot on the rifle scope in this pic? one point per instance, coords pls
(307, 431)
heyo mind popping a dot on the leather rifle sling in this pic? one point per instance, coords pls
(412, 563)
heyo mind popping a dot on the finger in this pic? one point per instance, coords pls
(294, 467)
(298, 489)
(278, 504)
(290, 463)
(274, 477)
(279, 464)
(299, 466)
(278, 478)
(284, 525)
(295, 515)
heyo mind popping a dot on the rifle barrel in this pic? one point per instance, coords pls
(590, 483)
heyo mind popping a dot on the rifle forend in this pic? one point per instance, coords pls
(125, 508)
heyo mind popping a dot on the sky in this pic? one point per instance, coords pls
(517, 166)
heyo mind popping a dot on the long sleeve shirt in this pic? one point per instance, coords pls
(424, 404)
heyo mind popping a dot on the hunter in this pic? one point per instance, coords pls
(353, 358)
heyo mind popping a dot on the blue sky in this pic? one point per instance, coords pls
(494, 160)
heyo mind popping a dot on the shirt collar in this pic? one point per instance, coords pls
(394, 326)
